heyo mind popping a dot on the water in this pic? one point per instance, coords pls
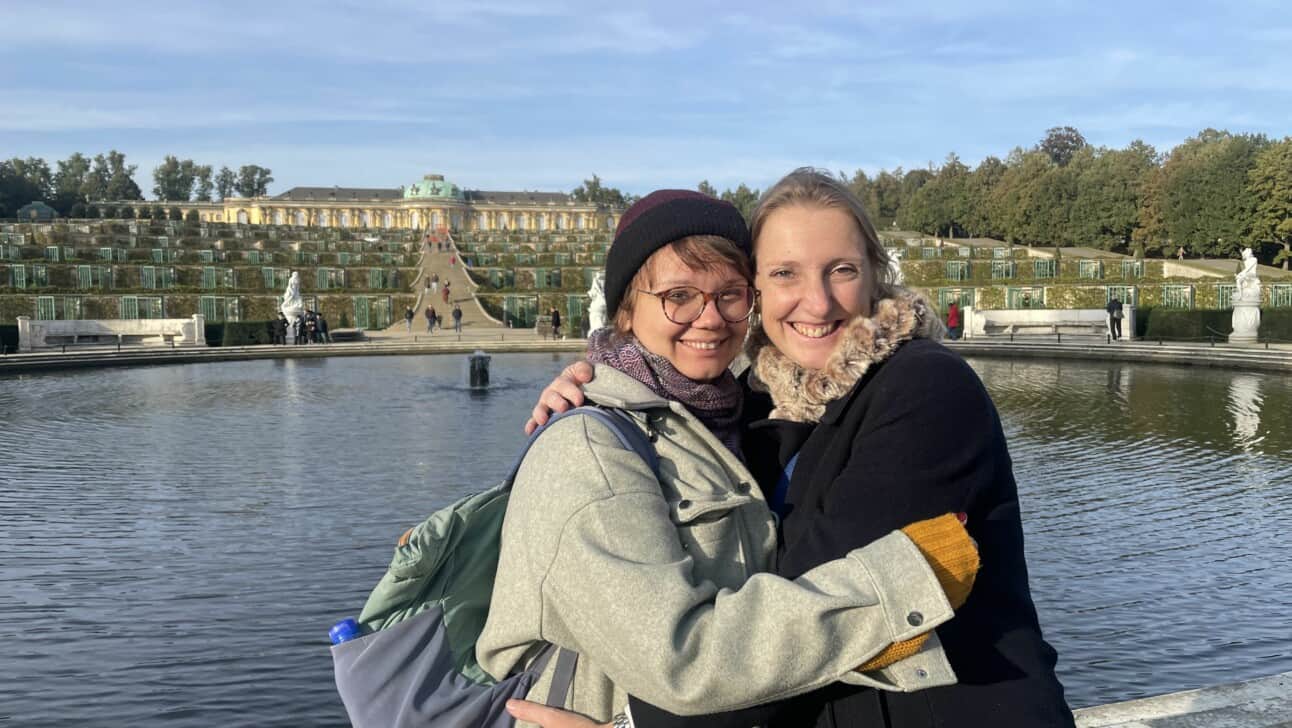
(176, 541)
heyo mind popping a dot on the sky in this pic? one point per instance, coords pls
(541, 95)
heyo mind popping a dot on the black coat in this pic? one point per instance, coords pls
(916, 437)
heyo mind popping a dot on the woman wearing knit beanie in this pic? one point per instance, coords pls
(656, 576)
(858, 421)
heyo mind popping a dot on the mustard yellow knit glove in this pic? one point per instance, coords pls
(946, 545)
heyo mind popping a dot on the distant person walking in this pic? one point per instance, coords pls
(954, 328)
(556, 323)
(323, 334)
(1179, 253)
(457, 318)
(430, 319)
(435, 283)
(446, 292)
(1114, 309)
(408, 318)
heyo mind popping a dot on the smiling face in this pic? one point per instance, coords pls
(813, 277)
(703, 349)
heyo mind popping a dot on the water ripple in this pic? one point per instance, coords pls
(177, 540)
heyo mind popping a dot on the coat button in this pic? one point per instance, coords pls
(921, 673)
(915, 619)
(684, 503)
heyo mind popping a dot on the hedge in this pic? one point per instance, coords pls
(238, 333)
(9, 337)
(1173, 324)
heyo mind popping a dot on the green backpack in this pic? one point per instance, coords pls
(410, 658)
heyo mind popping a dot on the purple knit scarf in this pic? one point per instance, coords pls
(717, 404)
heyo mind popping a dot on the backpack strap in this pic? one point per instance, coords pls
(631, 438)
(626, 430)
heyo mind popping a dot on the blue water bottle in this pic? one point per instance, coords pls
(346, 629)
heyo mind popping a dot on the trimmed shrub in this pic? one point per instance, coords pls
(1171, 324)
(9, 338)
(238, 333)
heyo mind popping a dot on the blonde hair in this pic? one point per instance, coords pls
(814, 188)
(698, 252)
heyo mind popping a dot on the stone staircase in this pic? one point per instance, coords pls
(448, 265)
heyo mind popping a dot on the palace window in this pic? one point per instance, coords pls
(147, 276)
(48, 308)
(106, 254)
(252, 257)
(1281, 295)
(1177, 296)
(1000, 253)
(93, 276)
(51, 253)
(219, 308)
(1002, 269)
(958, 270)
(40, 275)
(141, 307)
(963, 297)
(1126, 294)
(1090, 269)
(17, 276)
(1225, 295)
(930, 253)
(1025, 297)
(206, 256)
(1045, 268)
(1132, 269)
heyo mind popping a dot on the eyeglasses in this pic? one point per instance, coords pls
(685, 304)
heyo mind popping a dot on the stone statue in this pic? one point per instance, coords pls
(895, 267)
(1247, 282)
(292, 306)
(1246, 319)
(597, 302)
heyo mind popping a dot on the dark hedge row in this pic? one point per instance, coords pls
(9, 338)
(239, 333)
(1173, 324)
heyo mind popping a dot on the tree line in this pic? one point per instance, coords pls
(1211, 195)
(80, 181)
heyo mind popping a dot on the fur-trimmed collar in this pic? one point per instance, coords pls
(800, 395)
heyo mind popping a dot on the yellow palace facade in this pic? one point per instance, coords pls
(430, 204)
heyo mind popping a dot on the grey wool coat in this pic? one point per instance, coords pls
(660, 585)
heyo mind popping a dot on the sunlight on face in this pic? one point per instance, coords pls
(812, 279)
(703, 349)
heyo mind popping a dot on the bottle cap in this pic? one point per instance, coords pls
(346, 629)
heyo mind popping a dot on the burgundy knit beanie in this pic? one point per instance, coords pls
(658, 219)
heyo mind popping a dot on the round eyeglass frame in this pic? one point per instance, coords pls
(706, 297)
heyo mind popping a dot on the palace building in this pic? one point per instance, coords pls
(432, 203)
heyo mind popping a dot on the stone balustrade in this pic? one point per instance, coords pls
(34, 335)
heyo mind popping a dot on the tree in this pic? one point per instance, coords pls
(744, 198)
(1206, 203)
(69, 182)
(204, 185)
(174, 179)
(23, 181)
(225, 181)
(1270, 185)
(978, 221)
(1061, 143)
(95, 185)
(1110, 185)
(121, 183)
(705, 188)
(592, 191)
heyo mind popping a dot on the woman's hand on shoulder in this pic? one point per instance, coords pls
(550, 717)
(564, 393)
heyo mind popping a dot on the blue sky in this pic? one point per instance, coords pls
(539, 95)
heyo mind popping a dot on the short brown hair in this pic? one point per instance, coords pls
(698, 252)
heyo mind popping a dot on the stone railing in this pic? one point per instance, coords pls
(38, 334)
(1043, 321)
